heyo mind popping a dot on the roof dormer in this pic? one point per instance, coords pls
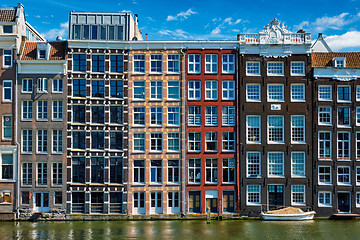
(43, 51)
(339, 62)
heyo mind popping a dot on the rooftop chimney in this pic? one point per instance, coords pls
(146, 37)
(238, 37)
(320, 35)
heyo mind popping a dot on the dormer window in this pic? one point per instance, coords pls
(42, 54)
(339, 62)
(43, 50)
(7, 29)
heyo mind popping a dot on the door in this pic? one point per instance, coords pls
(344, 202)
(173, 203)
(41, 202)
(139, 203)
(156, 203)
(276, 196)
(212, 204)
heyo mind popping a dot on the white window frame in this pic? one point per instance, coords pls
(271, 94)
(27, 110)
(57, 87)
(211, 115)
(227, 90)
(175, 59)
(26, 141)
(274, 70)
(348, 118)
(343, 156)
(156, 171)
(296, 97)
(256, 192)
(249, 126)
(5, 55)
(156, 59)
(337, 93)
(228, 118)
(321, 90)
(295, 190)
(339, 62)
(357, 95)
(57, 113)
(211, 63)
(194, 141)
(26, 171)
(357, 199)
(156, 86)
(40, 143)
(194, 90)
(272, 128)
(42, 173)
(195, 168)
(253, 164)
(324, 110)
(140, 138)
(57, 141)
(357, 116)
(212, 137)
(273, 164)
(140, 87)
(253, 92)
(230, 165)
(228, 66)
(56, 174)
(173, 117)
(27, 85)
(42, 115)
(156, 111)
(139, 112)
(298, 165)
(320, 141)
(194, 63)
(252, 68)
(172, 169)
(227, 141)
(357, 146)
(7, 89)
(194, 119)
(324, 174)
(138, 170)
(173, 144)
(344, 175)
(139, 60)
(42, 85)
(158, 138)
(178, 90)
(357, 176)
(211, 90)
(297, 68)
(5, 118)
(297, 129)
(213, 169)
(324, 204)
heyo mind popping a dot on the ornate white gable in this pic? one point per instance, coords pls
(274, 33)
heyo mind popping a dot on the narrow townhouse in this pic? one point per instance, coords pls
(336, 133)
(275, 119)
(41, 128)
(97, 112)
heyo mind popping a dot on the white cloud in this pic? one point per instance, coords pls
(347, 40)
(53, 33)
(37, 16)
(178, 33)
(216, 30)
(150, 19)
(302, 25)
(181, 16)
(335, 22)
(230, 22)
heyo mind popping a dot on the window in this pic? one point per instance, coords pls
(7, 90)
(156, 115)
(228, 63)
(228, 115)
(298, 129)
(173, 171)
(228, 141)
(97, 88)
(194, 63)
(173, 202)
(194, 141)
(228, 165)
(139, 115)
(343, 143)
(26, 141)
(173, 90)
(357, 116)
(324, 199)
(156, 90)
(7, 29)
(116, 168)
(344, 117)
(139, 63)
(97, 114)
(275, 92)
(156, 202)
(344, 94)
(139, 142)
(211, 141)
(211, 115)
(298, 164)
(7, 165)
(298, 195)
(343, 176)
(253, 164)
(228, 90)
(211, 170)
(275, 68)
(139, 171)
(275, 164)
(194, 201)
(357, 146)
(325, 93)
(97, 170)
(78, 140)
(79, 62)
(253, 132)
(324, 175)
(339, 62)
(357, 93)
(79, 88)
(194, 90)
(7, 127)
(117, 63)
(324, 115)
(57, 198)
(139, 202)
(253, 195)
(173, 63)
(42, 174)
(97, 140)
(57, 141)
(7, 58)
(78, 113)
(57, 110)
(297, 92)
(27, 173)
(78, 170)
(57, 173)
(27, 110)
(27, 85)
(42, 141)
(211, 90)
(116, 140)
(211, 63)
(194, 117)
(98, 63)
(252, 68)
(173, 116)
(194, 170)
(42, 54)
(57, 85)
(324, 145)
(156, 142)
(42, 85)
(42, 110)
(116, 114)
(275, 129)
(228, 201)
(155, 63)
(156, 171)
(297, 68)
(139, 90)
(253, 93)
(357, 176)
(117, 88)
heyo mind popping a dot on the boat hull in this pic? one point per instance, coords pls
(289, 217)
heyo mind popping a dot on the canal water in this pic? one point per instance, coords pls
(199, 230)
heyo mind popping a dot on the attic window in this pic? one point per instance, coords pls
(42, 54)
(8, 29)
(339, 62)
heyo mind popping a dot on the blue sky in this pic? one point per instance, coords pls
(209, 20)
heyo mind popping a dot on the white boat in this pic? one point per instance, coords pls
(288, 214)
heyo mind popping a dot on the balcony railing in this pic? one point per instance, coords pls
(78, 208)
(115, 208)
(97, 207)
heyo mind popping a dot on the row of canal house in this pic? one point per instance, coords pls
(109, 124)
